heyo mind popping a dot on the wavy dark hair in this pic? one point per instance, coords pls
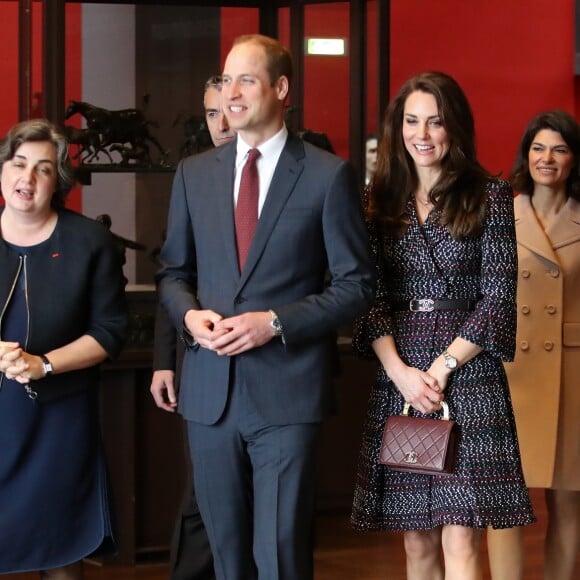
(459, 193)
(560, 122)
(42, 130)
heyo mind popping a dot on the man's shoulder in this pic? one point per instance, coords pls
(313, 154)
(206, 159)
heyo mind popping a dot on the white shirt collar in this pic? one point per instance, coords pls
(272, 146)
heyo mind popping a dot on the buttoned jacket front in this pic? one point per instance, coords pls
(311, 223)
(545, 375)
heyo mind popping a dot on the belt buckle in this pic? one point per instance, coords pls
(422, 305)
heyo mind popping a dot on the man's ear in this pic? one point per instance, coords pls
(282, 86)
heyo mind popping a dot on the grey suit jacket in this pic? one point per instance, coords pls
(311, 224)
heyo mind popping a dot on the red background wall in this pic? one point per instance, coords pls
(9, 66)
(513, 59)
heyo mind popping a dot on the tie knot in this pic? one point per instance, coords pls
(253, 154)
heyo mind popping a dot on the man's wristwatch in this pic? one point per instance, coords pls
(450, 361)
(276, 324)
(46, 365)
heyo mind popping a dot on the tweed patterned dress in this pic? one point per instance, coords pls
(487, 487)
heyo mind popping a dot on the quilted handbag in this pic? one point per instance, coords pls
(419, 444)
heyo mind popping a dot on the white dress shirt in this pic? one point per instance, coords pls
(270, 153)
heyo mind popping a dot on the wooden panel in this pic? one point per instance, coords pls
(341, 435)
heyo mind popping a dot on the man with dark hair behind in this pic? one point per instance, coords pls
(190, 552)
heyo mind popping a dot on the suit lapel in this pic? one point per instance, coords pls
(223, 193)
(288, 170)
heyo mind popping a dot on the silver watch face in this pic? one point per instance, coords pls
(450, 361)
(275, 324)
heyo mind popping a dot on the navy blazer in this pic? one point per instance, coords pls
(75, 287)
(311, 224)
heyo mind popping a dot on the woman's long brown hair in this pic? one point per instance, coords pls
(459, 193)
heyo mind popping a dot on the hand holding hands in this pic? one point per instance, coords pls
(201, 325)
(439, 372)
(421, 389)
(229, 336)
(243, 332)
(19, 365)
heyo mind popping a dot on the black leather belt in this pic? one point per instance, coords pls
(428, 304)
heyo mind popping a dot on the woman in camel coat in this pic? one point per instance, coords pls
(545, 375)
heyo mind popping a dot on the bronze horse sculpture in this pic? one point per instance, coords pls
(197, 137)
(124, 126)
(88, 142)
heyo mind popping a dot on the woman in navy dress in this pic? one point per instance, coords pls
(62, 312)
(442, 233)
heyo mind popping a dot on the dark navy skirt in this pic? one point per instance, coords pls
(53, 483)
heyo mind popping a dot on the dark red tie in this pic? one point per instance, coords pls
(247, 206)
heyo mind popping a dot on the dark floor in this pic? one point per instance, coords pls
(343, 554)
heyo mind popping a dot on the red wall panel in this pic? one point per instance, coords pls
(513, 59)
(235, 22)
(326, 78)
(9, 66)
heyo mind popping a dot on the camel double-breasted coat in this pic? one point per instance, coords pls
(545, 375)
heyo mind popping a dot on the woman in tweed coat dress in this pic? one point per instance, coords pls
(442, 230)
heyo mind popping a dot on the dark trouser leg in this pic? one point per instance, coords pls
(255, 485)
(223, 487)
(191, 557)
(284, 462)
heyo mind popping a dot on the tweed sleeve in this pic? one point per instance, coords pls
(493, 322)
(376, 322)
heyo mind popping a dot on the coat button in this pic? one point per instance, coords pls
(554, 273)
(524, 345)
(548, 345)
(239, 300)
(551, 309)
(525, 273)
(525, 309)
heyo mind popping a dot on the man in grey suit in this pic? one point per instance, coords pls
(257, 375)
